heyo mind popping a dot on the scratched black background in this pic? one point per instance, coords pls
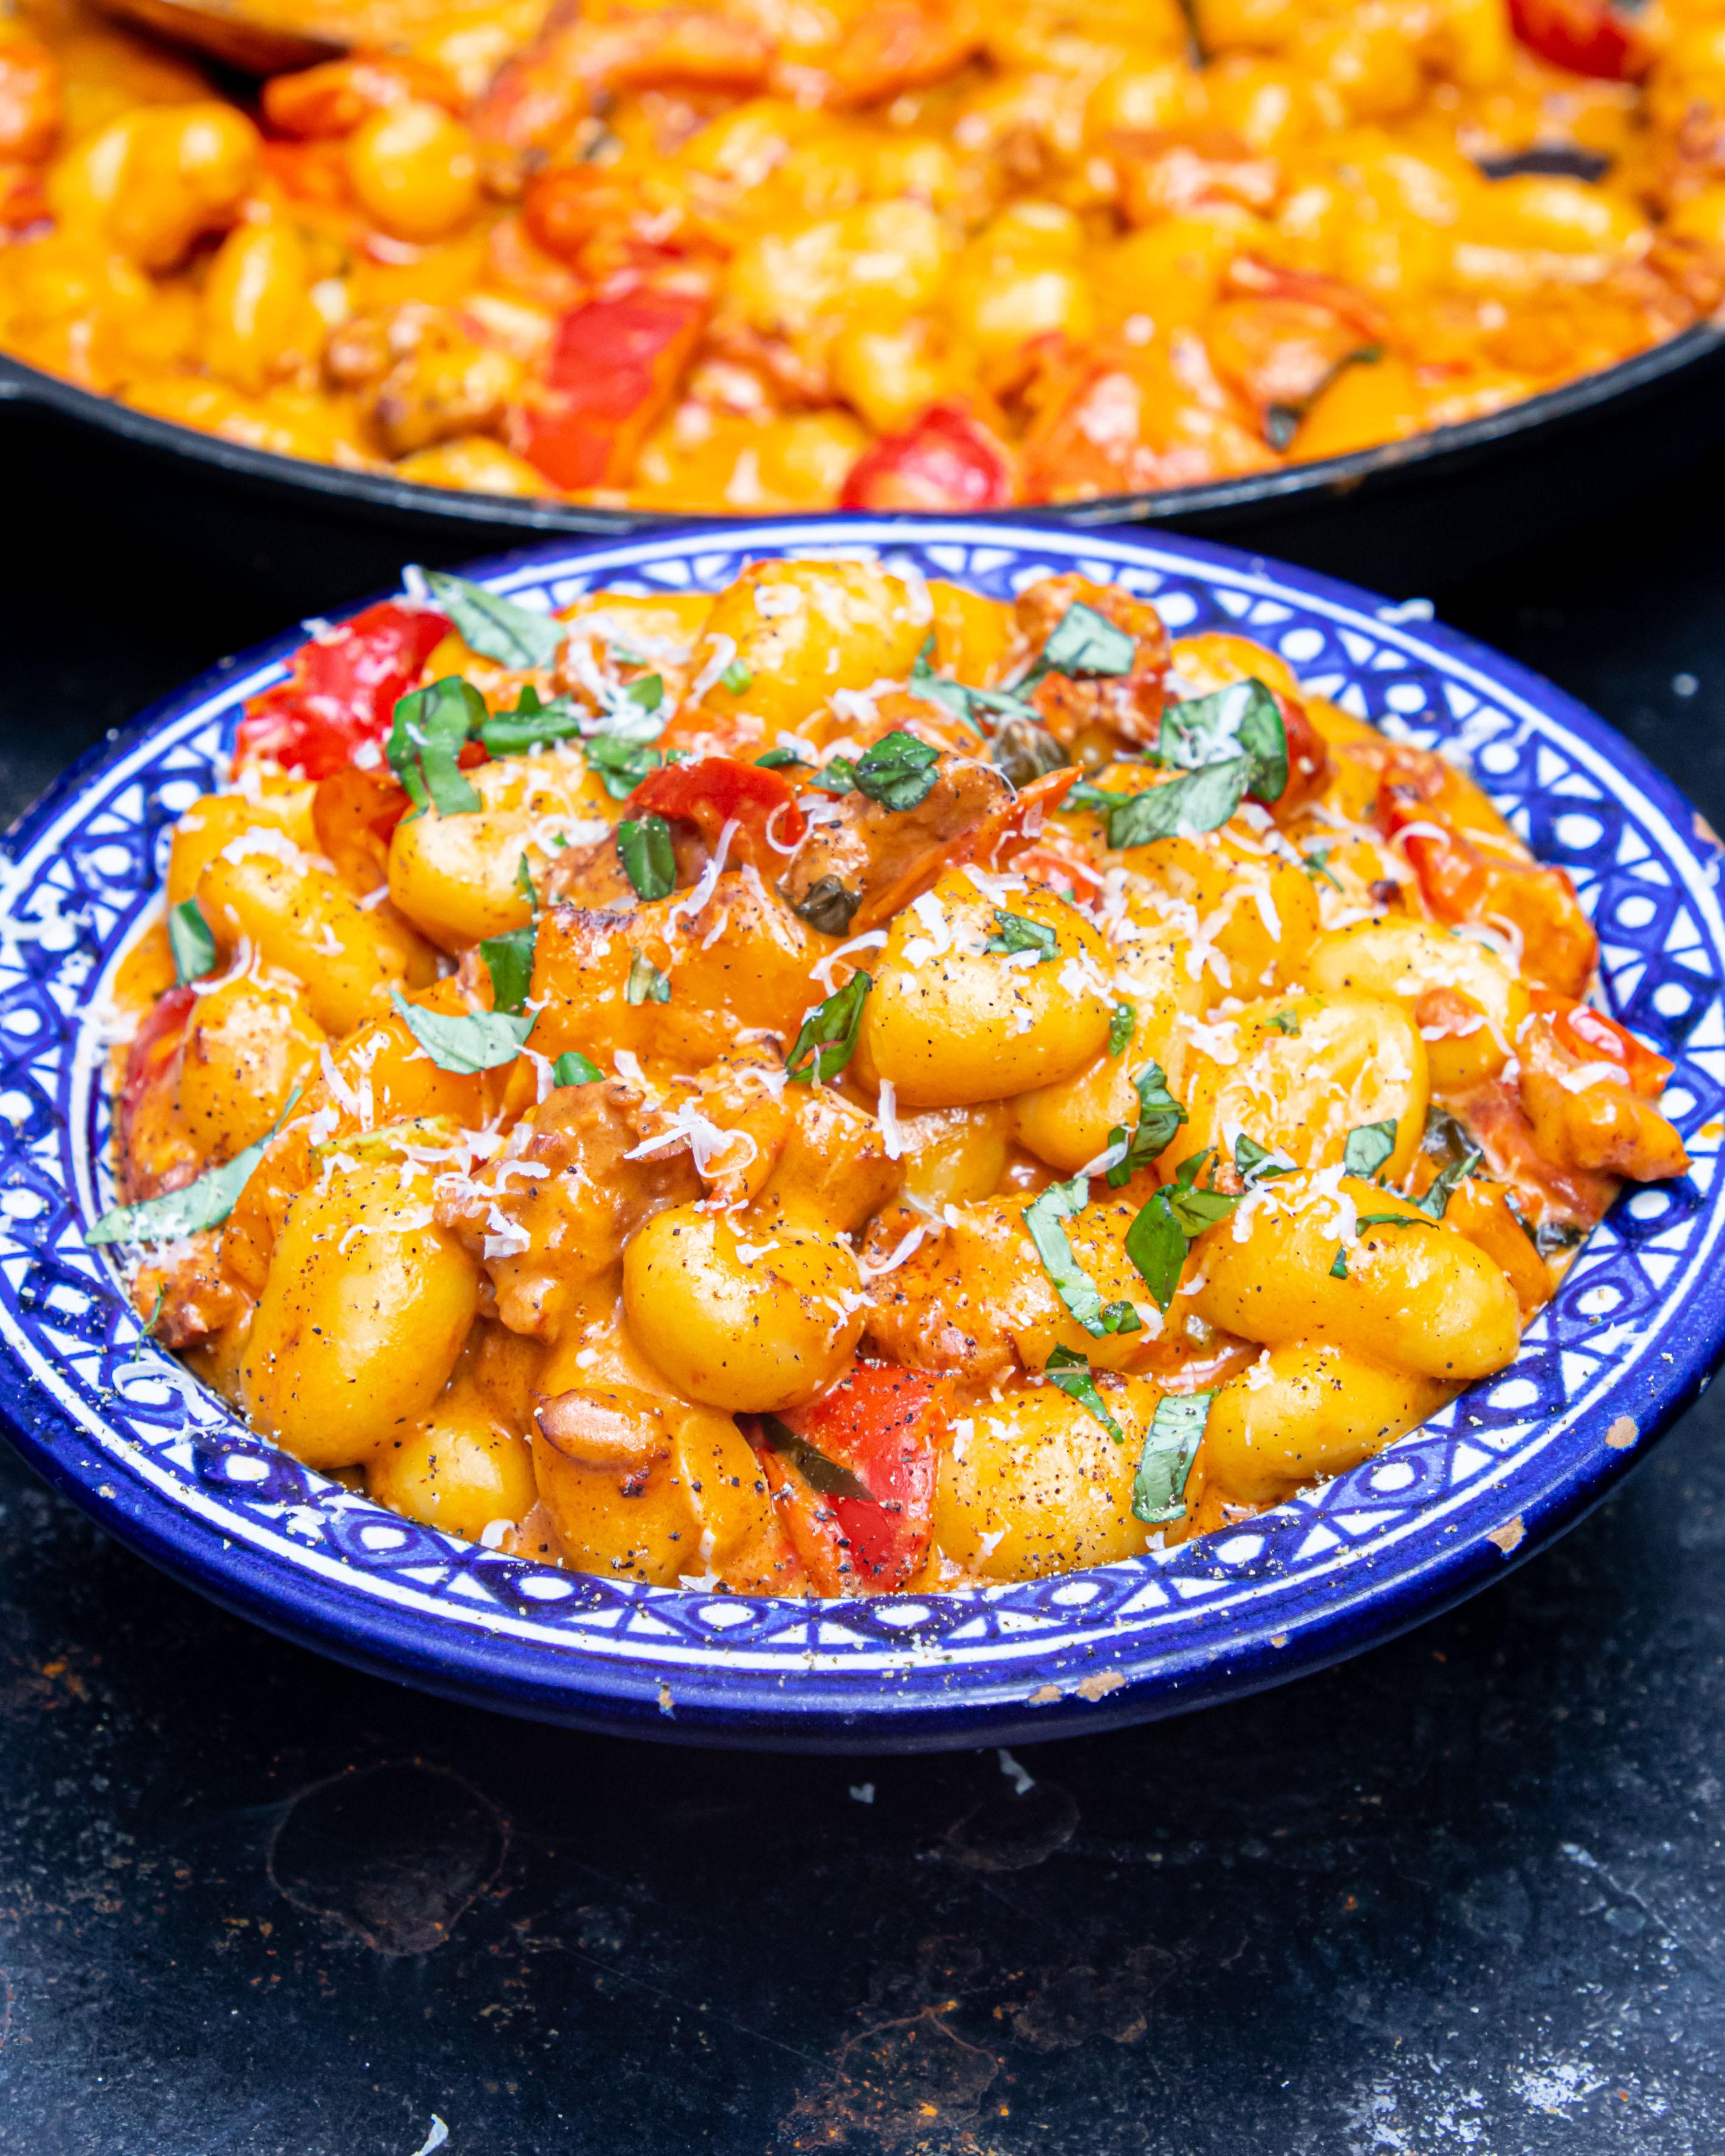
(1463, 1894)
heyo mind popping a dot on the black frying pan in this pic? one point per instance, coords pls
(1413, 516)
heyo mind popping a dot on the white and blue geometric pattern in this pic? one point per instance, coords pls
(1634, 1333)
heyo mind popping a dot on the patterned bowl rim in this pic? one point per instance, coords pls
(113, 1420)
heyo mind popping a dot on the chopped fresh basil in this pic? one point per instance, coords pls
(1256, 1164)
(828, 905)
(1339, 1270)
(1082, 641)
(1368, 1146)
(1121, 1026)
(824, 1476)
(827, 1037)
(1392, 1220)
(1025, 751)
(1018, 934)
(499, 629)
(430, 728)
(192, 942)
(643, 846)
(1287, 1022)
(572, 1068)
(1165, 1464)
(899, 771)
(776, 759)
(645, 983)
(624, 654)
(1317, 864)
(1071, 1373)
(648, 692)
(530, 725)
(736, 677)
(509, 960)
(205, 1203)
(1243, 718)
(1160, 1115)
(479, 1040)
(1201, 800)
(1436, 1201)
(963, 702)
(1060, 1202)
(837, 775)
(524, 882)
(619, 763)
(1167, 1224)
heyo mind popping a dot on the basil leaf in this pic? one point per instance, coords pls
(828, 905)
(1082, 641)
(619, 763)
(509, 960)
(827, 1038)
(1368, 1146)
(190, 940)
(963, 702)
(1157, 1244)
(524, 882)
(1316, 865)
(776, 759)
(824, 1476)
(497, 628)
(837, 775)
(1243, 718)
(643, 846)
(1256, 1164)
(1287, 1022)
(1018, 934)
(1436, 1201)
(531, 724)
(898, 770)
(1121, 1026)
(1160, 1115)
(1071, 1373)
(1201, 800)
(430, 728)
(1165, 1464)
(1338, 1271)
(645, 983)
(1391, 1221)
(624, 654)
(648, 692)
(480, 1040)
(736, 677)
(205, 1203)
(572, 1068)
(1064, 1201)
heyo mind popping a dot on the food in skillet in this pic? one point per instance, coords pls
(849, 1084)
(887, 254)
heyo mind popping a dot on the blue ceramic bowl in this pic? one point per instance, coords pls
(116, 1423)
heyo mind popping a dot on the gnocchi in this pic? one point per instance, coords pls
(840, 1087)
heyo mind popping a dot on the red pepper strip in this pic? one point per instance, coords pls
(154, 1047)
(615, 368)
(880, 1426)
(343, 692)
(945, 461)
(1590, 1037)
(712, 791)
(1308, 756)
(1000, 836)
(1584, 36)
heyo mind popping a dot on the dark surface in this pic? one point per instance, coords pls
(1467, 1893)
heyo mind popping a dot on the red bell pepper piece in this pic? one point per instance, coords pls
(343, 692)
(945, 461)
(715, 790)
(614, 369)
(879, 1428)
(1590, 1037)
(1584, 36)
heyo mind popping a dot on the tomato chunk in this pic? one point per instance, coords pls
(879, 1429)
(713, 791)
(1584, 36)
(945, 461)
(614, 369)
(343, 692)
